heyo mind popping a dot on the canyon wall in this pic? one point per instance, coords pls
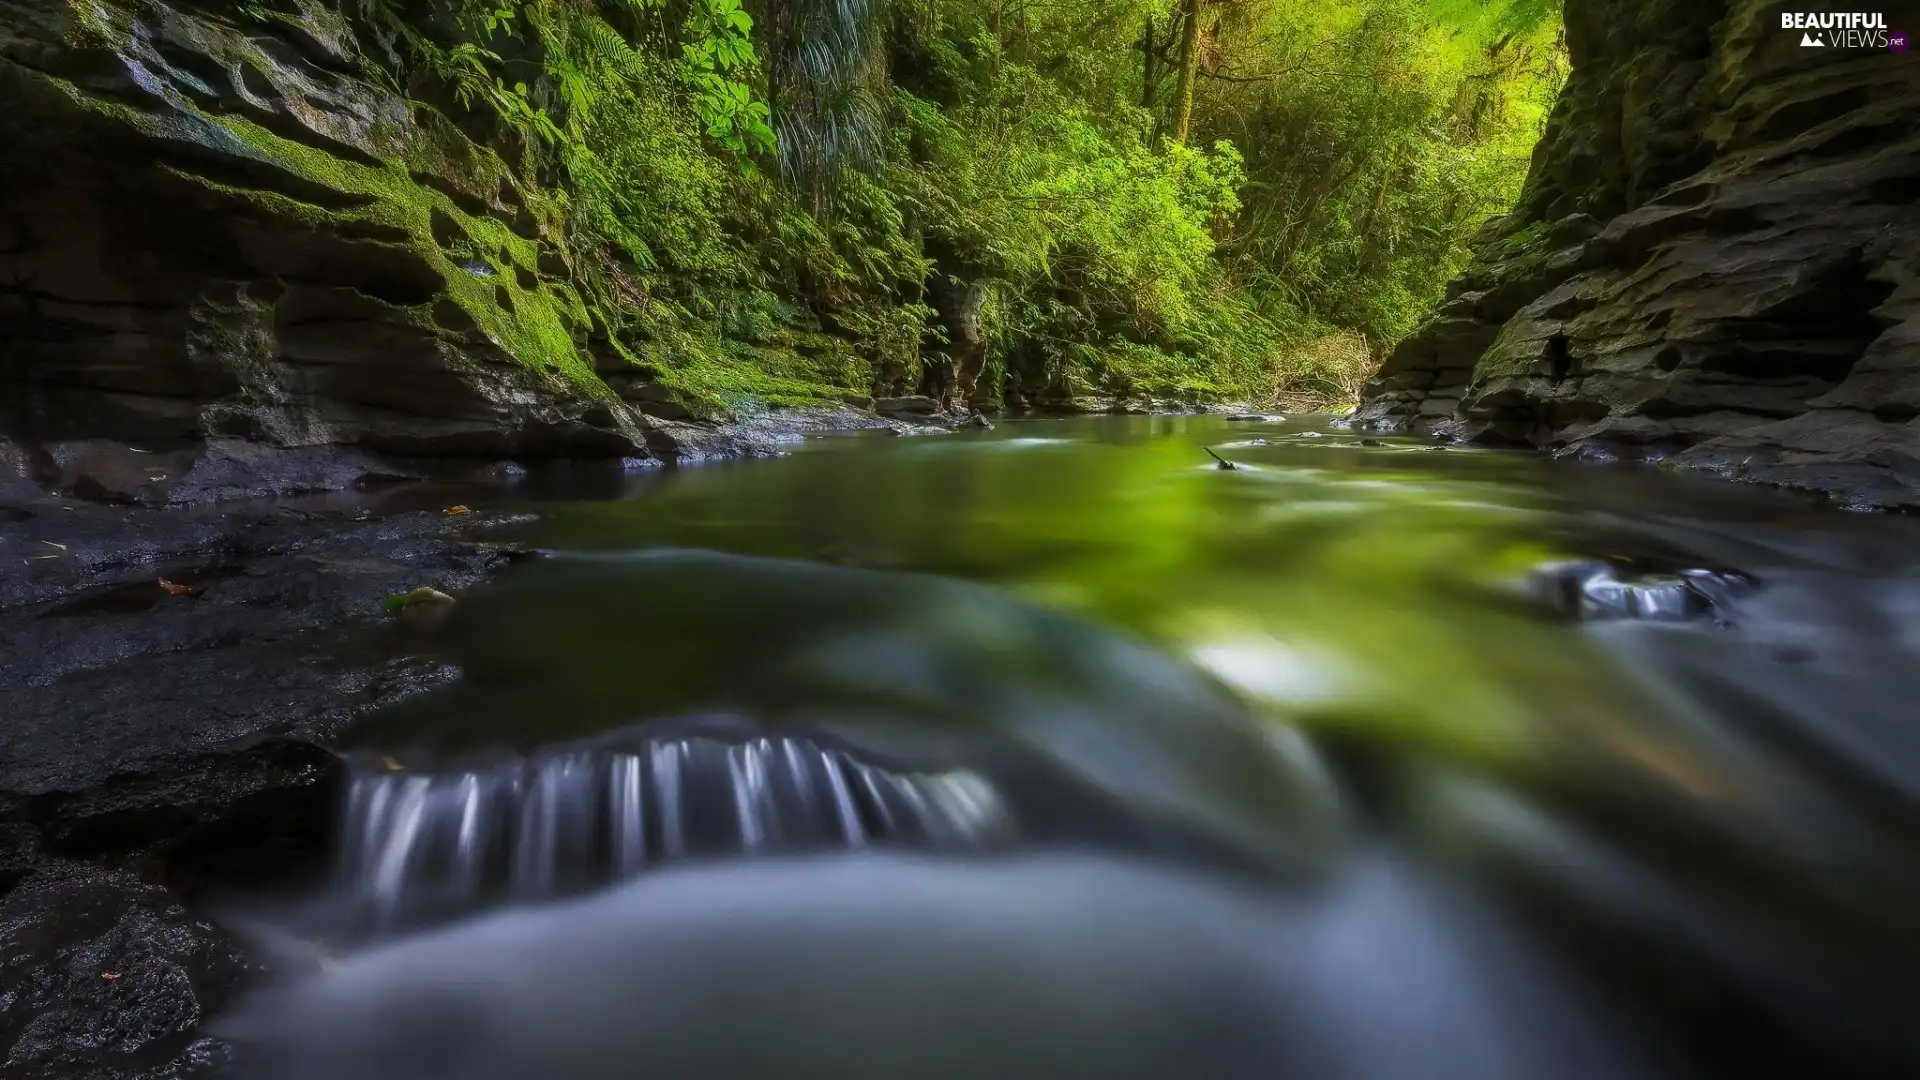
(1715, 262)
(215, 224)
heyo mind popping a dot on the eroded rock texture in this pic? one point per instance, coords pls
(1717, 256)
(214, 224)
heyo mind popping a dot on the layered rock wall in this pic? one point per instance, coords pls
(216, 224)
(1716, 259)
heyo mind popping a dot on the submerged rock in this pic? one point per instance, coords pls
(915, 669)
(1592, 589)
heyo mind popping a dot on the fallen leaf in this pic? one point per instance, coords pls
(178, 590)
(44, 558)
(109, 974)
(458, 509)
(50, 543)
(391, 765)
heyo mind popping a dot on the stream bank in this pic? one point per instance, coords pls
(181, 630)
(164, 672)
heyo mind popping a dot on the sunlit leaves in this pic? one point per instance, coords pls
(1343, 155)
(718, 58)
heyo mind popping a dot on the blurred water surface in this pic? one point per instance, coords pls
(1059, 750)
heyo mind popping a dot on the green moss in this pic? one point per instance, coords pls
(536, 325)
(714, 376)
(1508, 357)
(1531, 240)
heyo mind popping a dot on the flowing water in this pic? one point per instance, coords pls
(1062, 751)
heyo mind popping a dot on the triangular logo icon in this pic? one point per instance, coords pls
(1808, 41)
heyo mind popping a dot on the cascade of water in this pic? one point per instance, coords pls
(417, 844)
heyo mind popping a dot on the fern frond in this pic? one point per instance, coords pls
(592, 38)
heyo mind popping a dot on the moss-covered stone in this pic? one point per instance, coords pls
(198, 187)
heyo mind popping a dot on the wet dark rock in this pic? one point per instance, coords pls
(231, 470)
(500, 472)
(1249, 418)
(101, 471)
(106, 977)
(159, 742)
(1713, 254)
(649, 396)
(246, 814)
(914, 405)
(1596, 590)
(770, 433)
(219, 470)
(278, 630)
(1848, 452)
(19, 850)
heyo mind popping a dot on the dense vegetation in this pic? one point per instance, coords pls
(1176, 199)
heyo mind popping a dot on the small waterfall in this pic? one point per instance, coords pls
(418, 845)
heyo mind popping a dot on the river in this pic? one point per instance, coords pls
(1064, 750)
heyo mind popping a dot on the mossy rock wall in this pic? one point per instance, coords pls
(1715, 259)
(212, 225)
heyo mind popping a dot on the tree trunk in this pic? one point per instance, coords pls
(1189, 70)
(1147, 74)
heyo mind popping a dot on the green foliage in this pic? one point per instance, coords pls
(1353, 151)
(1342, 158)
(828, 82)
(718, 57)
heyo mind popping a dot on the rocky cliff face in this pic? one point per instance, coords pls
(217, 225)
(1716, 260)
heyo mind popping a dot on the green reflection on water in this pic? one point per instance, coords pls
(1335, 584)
